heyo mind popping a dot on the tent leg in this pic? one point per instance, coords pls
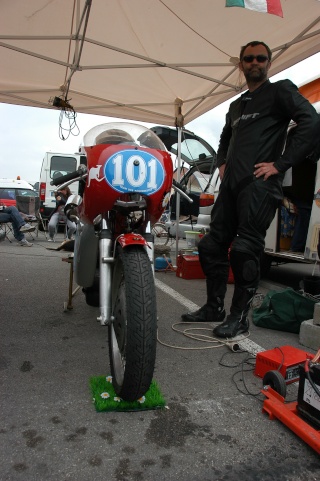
(178, 195)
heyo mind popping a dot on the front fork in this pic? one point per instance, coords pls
(150, 249)
(106, 262)
(105, 267)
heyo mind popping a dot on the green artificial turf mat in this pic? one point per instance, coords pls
(105, 398)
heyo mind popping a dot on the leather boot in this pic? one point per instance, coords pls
(207, 313)
(213, 310)
(237, 321)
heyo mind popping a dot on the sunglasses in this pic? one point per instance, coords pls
(259, 58)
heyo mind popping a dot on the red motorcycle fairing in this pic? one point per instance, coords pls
(131, 239)
(100, 195)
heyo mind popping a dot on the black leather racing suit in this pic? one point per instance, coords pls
(255, 132)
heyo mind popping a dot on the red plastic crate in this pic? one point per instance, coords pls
(188, 267)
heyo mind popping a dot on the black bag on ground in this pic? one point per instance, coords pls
(283, 311)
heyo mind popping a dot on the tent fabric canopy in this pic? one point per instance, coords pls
(144, 60)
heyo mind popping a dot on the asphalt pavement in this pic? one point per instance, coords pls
(213, 428)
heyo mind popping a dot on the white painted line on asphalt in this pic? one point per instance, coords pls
(244, 344)
(191, 306)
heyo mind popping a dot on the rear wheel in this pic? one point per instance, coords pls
(133, 332)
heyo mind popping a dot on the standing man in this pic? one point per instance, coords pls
(251, 164)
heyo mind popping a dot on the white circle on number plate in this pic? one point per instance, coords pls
(134, 171)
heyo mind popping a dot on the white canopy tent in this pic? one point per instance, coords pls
(159, 61)
(144, 60)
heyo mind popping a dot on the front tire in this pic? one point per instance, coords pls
(133, 332)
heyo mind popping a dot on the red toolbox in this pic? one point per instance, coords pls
(188, 267)
(285, 359)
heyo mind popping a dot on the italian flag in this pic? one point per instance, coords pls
(265, 6)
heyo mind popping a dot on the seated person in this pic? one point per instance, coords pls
(288, 218)
(59, 215)
(12, 215)
(301, 195)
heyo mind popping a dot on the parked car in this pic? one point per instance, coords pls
(36, 187)
(200, 159)
(11, 188)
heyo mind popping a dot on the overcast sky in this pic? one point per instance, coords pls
(28, 132)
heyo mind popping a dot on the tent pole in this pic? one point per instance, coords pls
(177, 193)
(179, 124)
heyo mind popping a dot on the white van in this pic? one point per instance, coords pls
(54, 165)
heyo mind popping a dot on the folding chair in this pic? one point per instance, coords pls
(6, 227)
(30, 206)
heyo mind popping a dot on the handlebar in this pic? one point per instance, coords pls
(82, 170)
(179, 188)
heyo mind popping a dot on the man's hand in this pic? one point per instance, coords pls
(265, 169)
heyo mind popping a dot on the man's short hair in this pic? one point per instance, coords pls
(255, 43)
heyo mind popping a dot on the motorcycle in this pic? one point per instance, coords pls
(123, 190)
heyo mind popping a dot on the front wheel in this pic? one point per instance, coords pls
(133, 332)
